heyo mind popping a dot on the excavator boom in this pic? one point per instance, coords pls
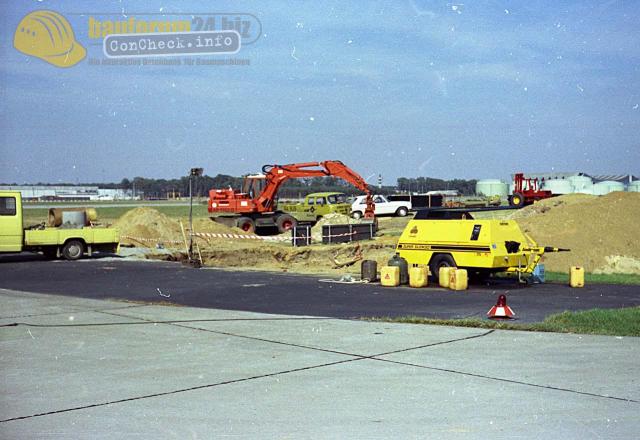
(275, 176)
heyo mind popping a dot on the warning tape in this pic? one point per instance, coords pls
(228, 236)
(239, 236)
(150, 240)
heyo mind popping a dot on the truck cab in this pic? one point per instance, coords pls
(11, 230)
(319, 204)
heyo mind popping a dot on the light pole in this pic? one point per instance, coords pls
(195, 172)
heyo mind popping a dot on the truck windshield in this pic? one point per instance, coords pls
(337, 198)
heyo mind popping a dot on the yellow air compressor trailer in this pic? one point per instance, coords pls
(453, 238)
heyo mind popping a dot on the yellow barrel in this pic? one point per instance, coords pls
(576, 276)
(390, 276)
(418, 276)
(443, 276)
(458, 279)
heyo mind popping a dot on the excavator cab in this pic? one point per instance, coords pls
(253, 184)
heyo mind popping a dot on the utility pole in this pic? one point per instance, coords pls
(195, 172)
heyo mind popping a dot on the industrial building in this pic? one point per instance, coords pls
(70, 193)
(564, 183)
(596, 178)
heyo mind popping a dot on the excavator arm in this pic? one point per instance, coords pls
(276, 175)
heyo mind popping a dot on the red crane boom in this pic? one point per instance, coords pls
(246, 203)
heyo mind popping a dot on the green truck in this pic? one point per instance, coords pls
(316, 205)
(70, 236)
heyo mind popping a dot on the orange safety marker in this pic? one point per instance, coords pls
(501, 310)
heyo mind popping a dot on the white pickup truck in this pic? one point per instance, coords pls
(383, 207)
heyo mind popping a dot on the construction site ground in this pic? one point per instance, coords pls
(86, 368)
(601, 232)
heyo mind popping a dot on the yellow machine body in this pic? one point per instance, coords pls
(478, 245)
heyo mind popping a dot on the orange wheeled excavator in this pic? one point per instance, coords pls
(255, 206)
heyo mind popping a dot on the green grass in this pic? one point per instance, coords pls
(612, 322)
(112, 213)
(595, 278)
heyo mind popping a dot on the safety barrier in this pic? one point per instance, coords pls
(347, 233)
(300, 236)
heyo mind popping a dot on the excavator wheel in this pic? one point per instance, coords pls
(246, 224)
(285, 222)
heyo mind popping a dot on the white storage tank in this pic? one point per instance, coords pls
(606, 187)
(558, 186)
(492, 187)
(581, 184)
(634, 186)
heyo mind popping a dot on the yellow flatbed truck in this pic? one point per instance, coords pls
(68, 241)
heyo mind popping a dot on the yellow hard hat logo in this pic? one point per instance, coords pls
(48, 35)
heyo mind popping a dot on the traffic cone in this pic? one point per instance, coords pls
(501, 310)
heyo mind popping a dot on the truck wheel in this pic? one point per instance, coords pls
(438, 261)
(516, 200)
(356, 214)
(402, 211)
(286, 222)
(73, 250)
(246, 224)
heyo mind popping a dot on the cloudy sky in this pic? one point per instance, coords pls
(403, 88)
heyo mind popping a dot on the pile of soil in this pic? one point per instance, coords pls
(315, 259)
(330, 219)
(546, 205)
(209, 226)
(145, 227)
(601, 231)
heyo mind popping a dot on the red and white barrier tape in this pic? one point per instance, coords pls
(239, 236)
(150, 240)
(227, 236)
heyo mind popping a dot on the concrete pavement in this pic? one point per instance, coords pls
(85, 368)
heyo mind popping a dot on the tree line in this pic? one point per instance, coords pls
(294, 188)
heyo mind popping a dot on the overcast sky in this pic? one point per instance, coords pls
(403, 88)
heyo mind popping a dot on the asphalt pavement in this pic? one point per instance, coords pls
(281, 293)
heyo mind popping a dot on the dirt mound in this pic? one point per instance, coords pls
(209, 226)
(330, 219)
(146, 227)
(318, 259)
(546, 205)
(602, 232)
